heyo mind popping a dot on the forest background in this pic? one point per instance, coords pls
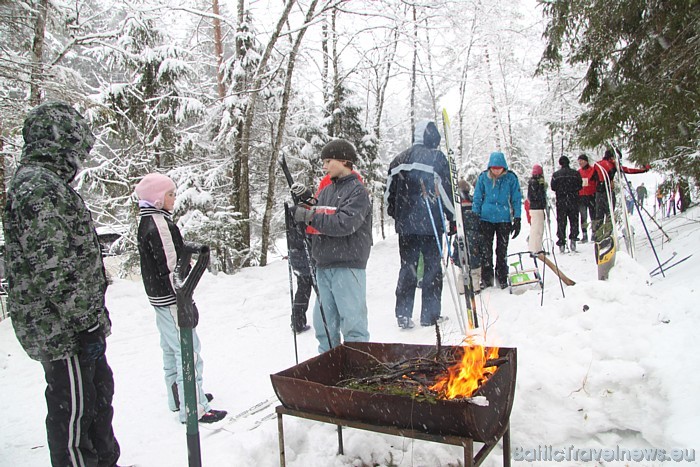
(214, 92)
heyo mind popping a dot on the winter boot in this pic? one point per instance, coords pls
(476, 279)
(405, 322)
(460, 282)
(572, 245)
(486, 279)
(584, 238)
(212, 416)
(176, 396)
(562, 248)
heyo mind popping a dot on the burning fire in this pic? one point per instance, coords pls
(465, 377)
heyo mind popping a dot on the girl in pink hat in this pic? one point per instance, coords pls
(160, 246)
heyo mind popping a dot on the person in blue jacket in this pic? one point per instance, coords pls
(420, 175)
(497, 200)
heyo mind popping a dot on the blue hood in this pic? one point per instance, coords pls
(497, 159)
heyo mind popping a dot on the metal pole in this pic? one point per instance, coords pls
(187, 317)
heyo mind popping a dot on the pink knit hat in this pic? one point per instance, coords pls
(153, 187)
(536, 169)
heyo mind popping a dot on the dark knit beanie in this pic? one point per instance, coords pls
(583, 157)
(564, 161)
(339, 149)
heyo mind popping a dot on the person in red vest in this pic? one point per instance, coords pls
(609, 167)
(586, 196)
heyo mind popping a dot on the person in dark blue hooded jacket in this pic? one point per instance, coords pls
(418, 174)
(497, 200)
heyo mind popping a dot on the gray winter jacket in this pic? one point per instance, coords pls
(343, 216)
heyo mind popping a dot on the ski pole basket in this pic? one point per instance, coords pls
(519, 276)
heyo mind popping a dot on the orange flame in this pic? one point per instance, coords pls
(465, 377)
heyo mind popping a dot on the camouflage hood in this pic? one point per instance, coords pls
(57, 137)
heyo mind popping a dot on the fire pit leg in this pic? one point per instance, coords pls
(506, 447)
(468, 453)
(340, 440)
(280, 434)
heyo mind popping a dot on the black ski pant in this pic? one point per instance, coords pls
(567, 212)
(410, 248)
(79, 395)
(586, 207)
(301, 301)
(501, 231)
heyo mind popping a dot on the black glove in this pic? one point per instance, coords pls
(301, 214)
(515, 228)
(92, 342)
(452, 229)
(302, 194)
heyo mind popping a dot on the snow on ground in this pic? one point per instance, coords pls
(623, 373)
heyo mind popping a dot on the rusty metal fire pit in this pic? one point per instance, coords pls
(310, 387)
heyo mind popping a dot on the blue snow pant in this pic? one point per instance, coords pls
(343, 295)
(79, 395)
(166, 320)
(410, 248)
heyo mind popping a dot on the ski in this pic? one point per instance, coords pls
(670, 266)
(462, 242)
(252, 410)
(628, 234)
(541, 256)
(243, 416)
(606, 234)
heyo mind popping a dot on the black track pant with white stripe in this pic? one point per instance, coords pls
(79, 421)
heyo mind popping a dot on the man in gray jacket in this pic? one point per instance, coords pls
(57, 286)
(343, 218)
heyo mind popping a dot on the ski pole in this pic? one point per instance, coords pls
(307, 250)
(460, 319)
(644, 224)
(291, 283)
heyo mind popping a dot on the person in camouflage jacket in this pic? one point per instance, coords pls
(57, 286)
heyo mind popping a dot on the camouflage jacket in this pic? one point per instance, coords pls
(54, 264)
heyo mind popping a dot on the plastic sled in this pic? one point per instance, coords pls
(519, 276)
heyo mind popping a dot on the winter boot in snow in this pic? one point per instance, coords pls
(460, 282)
(572, 245)
(476, 280)
(176, 396)
(562, 248)
(213, 416)
(405, 322)
(584, 238)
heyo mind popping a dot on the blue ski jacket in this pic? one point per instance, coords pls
(419, 173)
(497, 200)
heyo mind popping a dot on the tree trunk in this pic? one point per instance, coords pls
(492, 95)
(218, 50)
(463, 92)
(413, 71)
(37, 73)
(336, 125)
(277, 139)
(379, 109)
(325, 80)
(244, 187)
